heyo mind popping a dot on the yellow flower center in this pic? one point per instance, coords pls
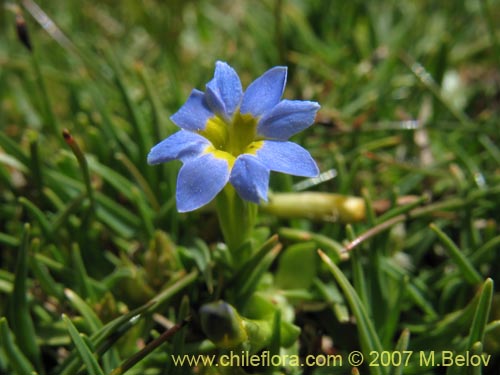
(231, 139)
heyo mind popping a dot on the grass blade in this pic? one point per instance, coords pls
(464, 265)
(20, 364)
(82, 162)
(401, 347)
(84, 309)
(368, 336)
(482, 313)
(18, 309)
(82, 348)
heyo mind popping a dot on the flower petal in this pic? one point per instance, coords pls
(224, 91)
(183, 145)
(287, 157)
(193, 115)
(200, 180)
(265, 92)
(287, 118)
(250, 178)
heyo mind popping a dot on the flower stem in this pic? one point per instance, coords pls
(236, 218)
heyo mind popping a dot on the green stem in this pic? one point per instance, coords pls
(236, 218)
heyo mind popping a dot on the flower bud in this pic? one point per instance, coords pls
(22, 32)
(222, 324)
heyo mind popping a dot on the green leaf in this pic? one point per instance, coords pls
(141, 134)
(179, 339)
(367, 333)
(464, 265)
(298, 266)
(333, 297)
(20, 364)
(105, 337)
(42, 275)
(482, 313)
(82, 348)
(329, 246)
(275, 343)
(244, 272)
(82, 279)
(9, 240)
(13, 149)
(38, 215)
(254, 276)
(402, 347)
(18, 309)
(87, 312)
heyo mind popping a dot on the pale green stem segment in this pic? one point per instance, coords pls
(317, 206)
(236, 218)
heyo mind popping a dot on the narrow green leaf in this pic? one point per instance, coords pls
(402, 348)
(36, 165)
(414, 291)
(12, 148)
(464, 265)
(334, 298)
(438, 333)
(140, 128)
(9, 240)
(105, 338)
(174, 288)
(42, 275)
(427, 80)
(140, 179)
(489, 247)
(476, 350)
(20, 364)
(179, 339)
(275, 344)
(18, 309)
(370, 212)
(70, 208)
(490, 146)
(399, 210)
(249, 285)
(358, 274)
(247, 268)
(159, 118)
(202, 256)
(150, 347)
(108, 127)
(82, 163)
(82, 278)
(393, 315)
(367, 333)
(50, 120)
(482, 313)
(109, 211)
(82, 348)
(38, 215)
(11, 162)
(110, 175)
(329, 246)
(145, 212)
(84, 309)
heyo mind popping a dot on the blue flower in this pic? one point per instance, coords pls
(228, 135)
